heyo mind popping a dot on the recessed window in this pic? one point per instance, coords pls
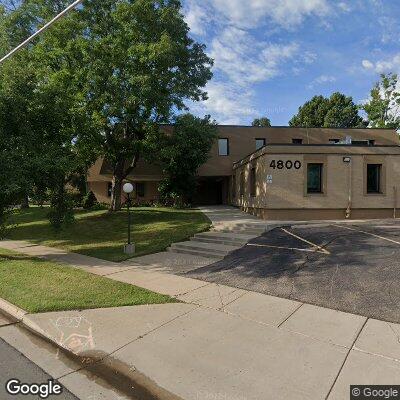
(241, 183)
(253, 182)
(374, 178)
(109, 189)
(334, 141)
(297, 141)
(260, 143)
(314, 178)
(140, 189)
(223, 147)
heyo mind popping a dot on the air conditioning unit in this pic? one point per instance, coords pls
(347, 140)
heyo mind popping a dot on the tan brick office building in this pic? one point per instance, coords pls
(287, 173)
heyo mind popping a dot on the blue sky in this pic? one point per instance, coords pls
(273, 55)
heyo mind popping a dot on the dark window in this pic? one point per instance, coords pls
(223, 147)
(234, 186)
(241, 184)
(374, 178)
(253, 182)
(360, 142)
(140, 189)
(314, 178)
(371, 142)
(333, 141)
(109, 189)
(297, 141)
(260, 143)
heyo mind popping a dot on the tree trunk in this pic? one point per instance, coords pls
(116, 190)
(116, 194)
(25, 202)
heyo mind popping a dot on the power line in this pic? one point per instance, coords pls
(42, 29)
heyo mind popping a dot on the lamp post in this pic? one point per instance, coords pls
(130, 247)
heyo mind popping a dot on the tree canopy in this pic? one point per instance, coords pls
(264, 121)
(42, 122)
(138, 66)
(179, 154)
(336, 111)
(97, 83)
(382, 107)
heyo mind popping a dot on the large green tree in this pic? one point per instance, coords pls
(138, 66)
(336, 111)
(180, 153)
(42, 122)
(383, 105)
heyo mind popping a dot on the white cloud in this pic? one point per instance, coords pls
(383, 66)
(240, 62)
(325, 78)
(286, 13)
(344, 6)
(309, 57)
(227, 104)
(367, 64)
(244, 60)
(322, 79)
(196, 17)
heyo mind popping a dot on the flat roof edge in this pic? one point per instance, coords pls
(294, 127)
(333, 145)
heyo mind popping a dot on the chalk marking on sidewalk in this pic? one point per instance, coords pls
(321, 249)
(368, 233)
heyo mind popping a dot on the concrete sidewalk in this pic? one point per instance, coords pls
(222, 342)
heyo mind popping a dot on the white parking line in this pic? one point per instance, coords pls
(287, 248)
(321, 249)
(368, 233)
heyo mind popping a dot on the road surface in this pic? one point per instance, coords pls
(15, 365)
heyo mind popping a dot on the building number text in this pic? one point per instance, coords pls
(285, 164)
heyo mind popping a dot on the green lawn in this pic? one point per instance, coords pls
(38, 286)
(102, 234)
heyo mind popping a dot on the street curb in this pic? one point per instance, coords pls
(114, 373)
(11, 310)
(21, 316)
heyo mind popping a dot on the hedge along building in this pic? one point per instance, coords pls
(291, 173)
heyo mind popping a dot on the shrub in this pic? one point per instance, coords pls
(100, 206)
(89, 201)
(61, 209)
(77, 199)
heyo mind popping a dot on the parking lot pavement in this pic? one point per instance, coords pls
(348, 267)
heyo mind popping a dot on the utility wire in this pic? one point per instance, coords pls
(42, 29)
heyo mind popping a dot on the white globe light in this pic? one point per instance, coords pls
(127, 188)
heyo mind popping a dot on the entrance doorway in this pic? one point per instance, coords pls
(211, 191)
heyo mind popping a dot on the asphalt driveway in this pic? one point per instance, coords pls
(348, 267)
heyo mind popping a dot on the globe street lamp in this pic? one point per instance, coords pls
(130, 247)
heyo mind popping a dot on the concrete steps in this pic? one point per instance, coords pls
(240, 229)
(210, 250)
(232, 229)
(226, 238)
